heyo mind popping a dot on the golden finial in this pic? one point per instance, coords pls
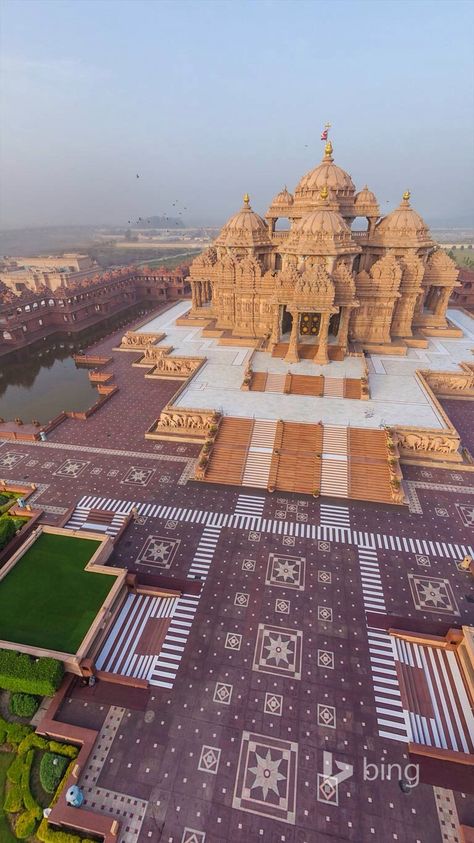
(328, 149)
(246, 198)
(324, 192)
(406, 195)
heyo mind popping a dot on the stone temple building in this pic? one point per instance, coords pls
(303, 272)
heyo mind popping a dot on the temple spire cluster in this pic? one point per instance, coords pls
(373, 287)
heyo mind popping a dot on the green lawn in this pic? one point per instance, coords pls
(6, 835)
(48, 600)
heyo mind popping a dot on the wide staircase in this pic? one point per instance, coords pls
(259, 457)
(275, 383)
(333, 388)
(315, 385)
(309, 458)
(334, 469)
(369, 469)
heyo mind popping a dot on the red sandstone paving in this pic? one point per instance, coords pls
(461, 413)
(163, 745)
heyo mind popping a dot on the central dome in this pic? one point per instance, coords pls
(325, 174)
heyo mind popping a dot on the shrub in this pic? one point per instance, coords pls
(66, 749)
(23, 705)
(15, 732)
(25, 825)
(29, 801)
(7, 531)
(32, 741)
(20, 672)
(13, 800)
(15, 770)
(46, 835)
(52, 769)
(3, 733)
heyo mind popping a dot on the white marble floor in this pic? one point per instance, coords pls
(396, 397)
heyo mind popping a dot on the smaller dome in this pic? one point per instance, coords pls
(283, 198)
(403, 226)
(322, 222)
(366, 204)
(246, 228)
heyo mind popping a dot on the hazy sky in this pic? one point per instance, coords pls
(207, 100)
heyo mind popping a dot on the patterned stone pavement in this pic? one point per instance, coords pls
(272, 722)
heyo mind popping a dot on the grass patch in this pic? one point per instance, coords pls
(47, 599)
(6, 835)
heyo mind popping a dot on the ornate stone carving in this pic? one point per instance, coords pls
(429, 441)
(195, 421)
(136, 340)
(179, 366)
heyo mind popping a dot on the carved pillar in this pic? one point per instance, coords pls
(292, 353)
(343, 327)
(194, 295)
(275, 337)
(442, 303)
(322, 353)
(198, 294)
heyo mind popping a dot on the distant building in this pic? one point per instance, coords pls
(464, 296)
(50, 271)
(82, 303)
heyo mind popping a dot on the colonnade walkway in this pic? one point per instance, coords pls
(321, 459)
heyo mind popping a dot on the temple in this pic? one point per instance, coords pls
(318, 279)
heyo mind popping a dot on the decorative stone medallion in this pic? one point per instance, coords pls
(422, 560)
(223, 693)
(10, 459)
(158, 551)
(466, 514)
(266, 777)
(278, 651)
(241, 600)
(326, 659)
(324, 576)
(326, 716)
(282, 606)
(209, 760)
(273, 704)
(192, 835)
(233, 641)
(433, 594)
(324, 614)
(248, 565)
(71, 468)
(286, 571)
(138, 476)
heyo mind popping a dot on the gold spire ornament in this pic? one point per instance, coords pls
(406, 195)
(246, 198)
(328, 149)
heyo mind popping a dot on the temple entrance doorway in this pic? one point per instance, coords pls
(286, 321)
(334, 323)
(310, 324)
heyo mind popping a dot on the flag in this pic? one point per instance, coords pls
(324, 134)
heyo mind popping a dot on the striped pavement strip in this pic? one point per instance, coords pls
(334, 516)
(391, 717)
(165, 666)
(443, 550)
(204, 554)
(249, 505)
(372, 590)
